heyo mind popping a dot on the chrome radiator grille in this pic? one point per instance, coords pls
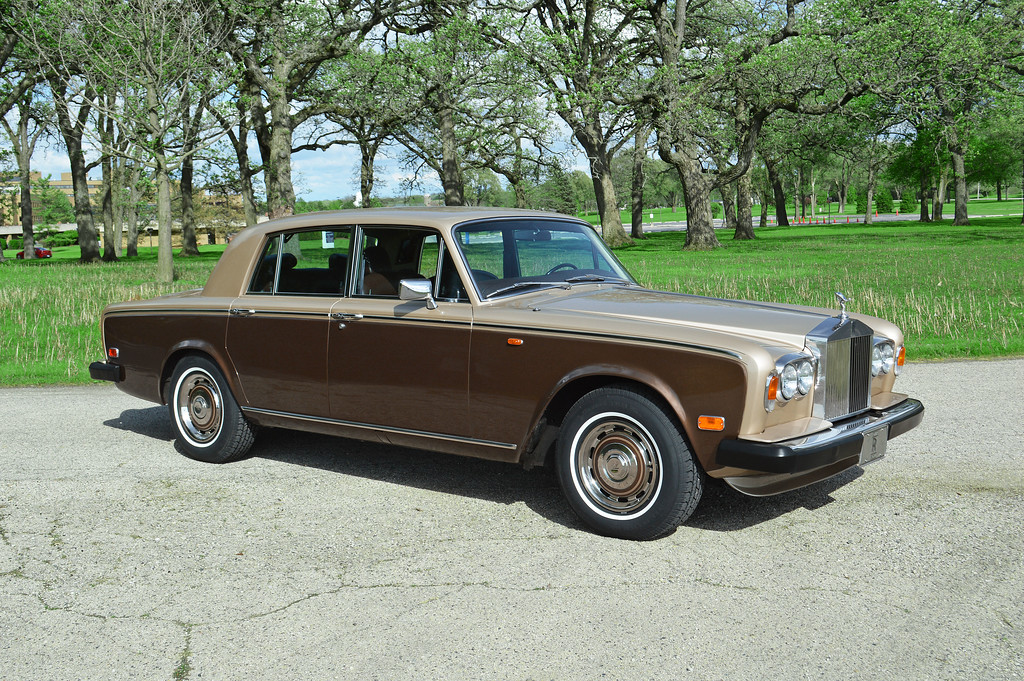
(844, 369)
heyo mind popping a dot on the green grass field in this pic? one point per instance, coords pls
(975, 207)
(955, 291)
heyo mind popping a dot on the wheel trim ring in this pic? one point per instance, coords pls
(596, 492)
(198, 407)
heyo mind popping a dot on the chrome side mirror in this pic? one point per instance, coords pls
(417, 289)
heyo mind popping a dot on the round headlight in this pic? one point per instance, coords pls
(790, 382)
(876, 361)
(805, 377)
(888, 358)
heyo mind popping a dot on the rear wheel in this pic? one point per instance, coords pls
(625, 467)
(207, 418)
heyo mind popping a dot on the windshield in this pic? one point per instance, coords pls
(512, 256)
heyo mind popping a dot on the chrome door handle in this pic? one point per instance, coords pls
(239, 312)
(346, 316)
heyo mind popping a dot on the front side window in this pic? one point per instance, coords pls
(391, 254)
(310, 262)
(512, 255)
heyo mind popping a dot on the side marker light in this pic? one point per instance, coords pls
(716, 423)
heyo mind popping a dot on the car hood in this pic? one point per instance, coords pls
(666, 313)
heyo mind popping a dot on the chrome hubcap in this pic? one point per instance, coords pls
(198, 405)
(617, 465)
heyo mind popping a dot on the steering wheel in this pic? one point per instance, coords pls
(562, 266)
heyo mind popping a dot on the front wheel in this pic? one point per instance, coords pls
(209, 424)
(625, 467)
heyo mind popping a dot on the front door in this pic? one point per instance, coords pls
(396, 364)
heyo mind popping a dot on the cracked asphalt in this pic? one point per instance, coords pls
(327, 558)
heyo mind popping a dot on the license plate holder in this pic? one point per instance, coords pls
(873, 447)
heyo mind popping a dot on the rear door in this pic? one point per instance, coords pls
(277, 332)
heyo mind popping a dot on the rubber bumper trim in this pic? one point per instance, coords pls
(842, 441)
(105, 371)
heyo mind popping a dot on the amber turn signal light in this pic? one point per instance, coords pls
(515, 341)
(773, 388)
(711, 423)
(901, 358)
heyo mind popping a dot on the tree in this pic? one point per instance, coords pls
(33, 118)
(281, 48)
(585, 55)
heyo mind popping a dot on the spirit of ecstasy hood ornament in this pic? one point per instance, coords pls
(843, 300)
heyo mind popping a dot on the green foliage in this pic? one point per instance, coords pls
(717, 210)
(862, 201)
(54, 207)
(62, 239)
(908, 203)
(883, 201)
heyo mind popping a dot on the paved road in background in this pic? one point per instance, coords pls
(680, 226)
(326, 558)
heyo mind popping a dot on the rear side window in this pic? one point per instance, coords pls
(311, 262)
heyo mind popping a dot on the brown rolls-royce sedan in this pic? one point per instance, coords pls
(516, 336)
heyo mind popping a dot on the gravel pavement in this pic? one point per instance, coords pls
(320, 558)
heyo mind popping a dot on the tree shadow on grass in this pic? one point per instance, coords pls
(721, 509)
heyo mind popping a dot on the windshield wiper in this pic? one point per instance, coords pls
(525, 284)
(584, 278)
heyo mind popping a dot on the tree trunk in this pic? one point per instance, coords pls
(134, 195)
(451, 172)
(700, 228)
(119, 199)
(520, 191)
(71, 132)
(814, 195)
(764, 215)
(924, 198)
(999, 189)
(872, 179)
(956, 150)
(367, 159)
(780, 195)
(165, 253)
(27, 232)
(612, 230)
(189, 244)
(638, 179)
(111, 243)
(23, 148)
(164, 258)
(278, 167)
(744, 214)
(729, 206)
(939, 197)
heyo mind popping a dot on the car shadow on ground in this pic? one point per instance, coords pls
(721, 509)
(152, 422)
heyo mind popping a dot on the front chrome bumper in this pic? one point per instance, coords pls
(844, 440)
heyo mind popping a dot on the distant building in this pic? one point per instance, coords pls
(10, 203)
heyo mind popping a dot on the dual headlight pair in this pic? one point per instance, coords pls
(885, 357)
(793, 378)
(795, 374)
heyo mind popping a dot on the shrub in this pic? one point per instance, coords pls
(908, 204)
(883, 201)
(862, 200)
(63, 239)
(716, 210)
